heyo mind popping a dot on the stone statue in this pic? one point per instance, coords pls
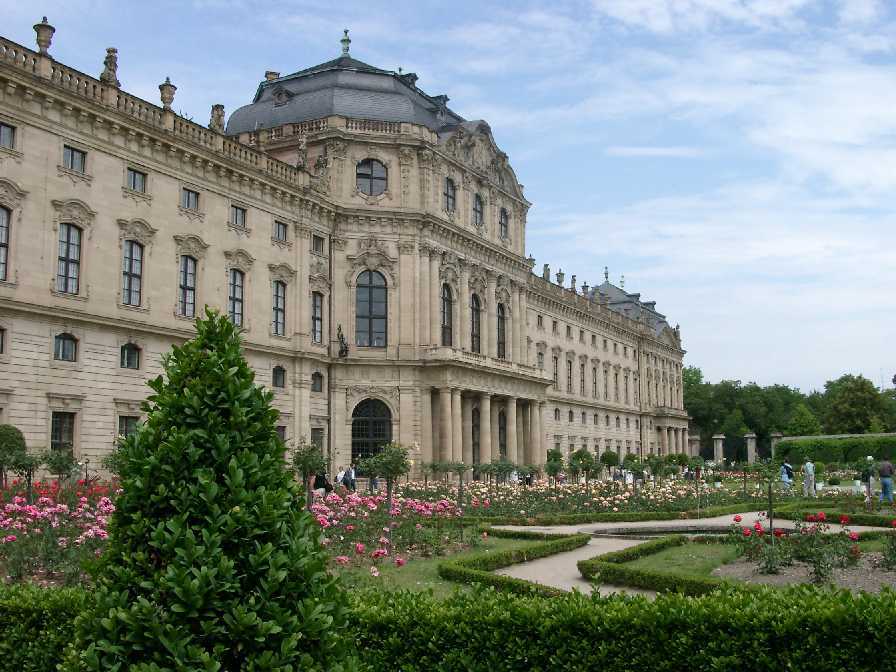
(546, 272)
(302, 152)
(216, 123)
(320, 165)
(343, 345)
(110, 71)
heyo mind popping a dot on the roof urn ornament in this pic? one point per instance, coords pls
(345, 42)
(622, 281)
(216, 122)
(572, 284)
(560, 276)
(167, 89)
(546, 272)
(606, 274)
(44, 36)
(110, 68)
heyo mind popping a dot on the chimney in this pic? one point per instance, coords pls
(271, 75)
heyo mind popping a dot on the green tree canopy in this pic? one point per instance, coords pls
(212, 562)
(803, 422)
(852, 402)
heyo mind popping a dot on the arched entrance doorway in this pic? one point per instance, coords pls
(371, 428)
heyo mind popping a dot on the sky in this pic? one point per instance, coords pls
(734, 160)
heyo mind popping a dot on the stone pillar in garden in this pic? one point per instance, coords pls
(718, 450)
(776, 438)
(751, 447)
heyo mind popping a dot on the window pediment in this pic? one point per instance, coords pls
(136, 229)
(239, 259)
(190, 245)
(282, 272)
(10, 194)
(74, 211)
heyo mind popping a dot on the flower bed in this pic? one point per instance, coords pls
(51, 539)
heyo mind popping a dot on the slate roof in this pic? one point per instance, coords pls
(344, 86)
(631, 306)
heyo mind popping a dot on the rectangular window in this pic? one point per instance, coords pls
(186, 301)
(235, 296)
(74, 159)
(540, 360)
(127, 425)
(615, 348)
(136, 180)
(280, 230)
(2, 340)
(132, 273)
(317, 437)
(556, 373)
(281, 432)
(594, 382)
(278, 318)
(5, 217)
(605, 345)
(594, 340)
(554, 327)
(539, 321)
(62, 431)
(582, 379)
(317, 244)
(317, 382)
(581, 335)
(68, 267)
(189, 199)
(568, 331)
(317, 317)
(569, 376)
(238, 216)
(7, 136)
(625, 351)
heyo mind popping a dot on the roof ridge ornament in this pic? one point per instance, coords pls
(606, 274)
(345, 42)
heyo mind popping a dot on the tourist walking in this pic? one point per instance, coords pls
(340, 475)
(786, 475)
(808, 478)
(349, 478)
(885, 471)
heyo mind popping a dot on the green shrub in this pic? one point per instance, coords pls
(800, 629)
(848, 449)
(36, 625)
(212, 562)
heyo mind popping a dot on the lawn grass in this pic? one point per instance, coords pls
(422, 573)
(688, 559)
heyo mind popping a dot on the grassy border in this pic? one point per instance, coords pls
(479, 568)
(610, 568)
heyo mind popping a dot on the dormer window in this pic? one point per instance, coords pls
(371, 177)
(478, 210)
(281, 96)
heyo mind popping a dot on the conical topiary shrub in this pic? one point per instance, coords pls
(212, 563)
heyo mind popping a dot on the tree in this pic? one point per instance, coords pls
(391, 463)
(459, 469)
(503, 468)
(307, 462)
(12, 442)
(212, 562)
(609, 459)
(581, 462)
(803, 422)
(852, 401)
(60, 463)
(26, 464)
(554, 464)
(734, 429)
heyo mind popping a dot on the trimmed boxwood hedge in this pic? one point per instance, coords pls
(619, 517)
(732, 631)
(478, 568)
(849, 449)
(857, 518)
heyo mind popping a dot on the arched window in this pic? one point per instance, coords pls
(557, 414)
(475, 324)
(540, 360)
(502, 332)
(4, 242)
(447, 315)
(186, 299)
(317, 382)
(596, 419)
(478, 210)
(571, 416)
(278, 376)
(502, 434)
(235, 290)
(68, 266)
(278, 312)
(130, 356)
(65, 348)
(503, 223)
(371, 428)
(450, 195)
(132, 273)
(317, 317)
(370, 310)
(370, 176)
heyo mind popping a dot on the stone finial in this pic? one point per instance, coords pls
(531, 261)
(44, 36)
(345, 42)
(560, 276)
(606, 274)
(585, 288)
(110, 68)
(572, 284)
(216, 122)
(271, 75)
(167, 89)
(546, 272)
(622, 281)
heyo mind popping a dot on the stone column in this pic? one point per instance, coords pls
(751, 447)
(776, 439)
(426, 425)
(513, 354)
(457, 432)
(303, 296)
(485, 427)
(467, 409)
(670, 440)
(490, 333)
(463, 307)
(661, 441)
(537, 445)
(445, 425)
(511, 429)
(718, 448)
(407, 292)
(496, 443)
(423, 296)
(525, 433)
(687, 442)
(523, 349)
(435, 293)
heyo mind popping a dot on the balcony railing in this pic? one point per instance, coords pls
(450, 354)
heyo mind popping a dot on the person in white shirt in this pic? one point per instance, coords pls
(808, 478)
(340, 475)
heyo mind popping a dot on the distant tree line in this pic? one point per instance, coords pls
(850, 404)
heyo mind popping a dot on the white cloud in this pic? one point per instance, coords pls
(671, 152)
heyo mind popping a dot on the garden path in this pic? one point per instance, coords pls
(560, 570)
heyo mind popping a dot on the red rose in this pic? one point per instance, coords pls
(853, 536)
(810, 518)
(738, 518)
(844, 520)
(779, 533)
(747, 532)
(821, 517)
(893, 523)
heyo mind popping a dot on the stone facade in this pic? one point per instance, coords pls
(276, 225)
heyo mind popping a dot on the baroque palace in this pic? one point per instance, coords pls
(369, 242)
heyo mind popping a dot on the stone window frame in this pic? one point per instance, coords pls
(372, 155)
(323, 381)
(6, 326)
(281, 273)
(138, 341)
(76, 177)
(75, 212)
(139, 231)
(128, 408)
(285, 389)
(235, 207)
(139, 197)
(12, 199)
(192, 214)
(239, 259)
(17, 151)
(65, 403)
(79, 334)
(190, 245)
